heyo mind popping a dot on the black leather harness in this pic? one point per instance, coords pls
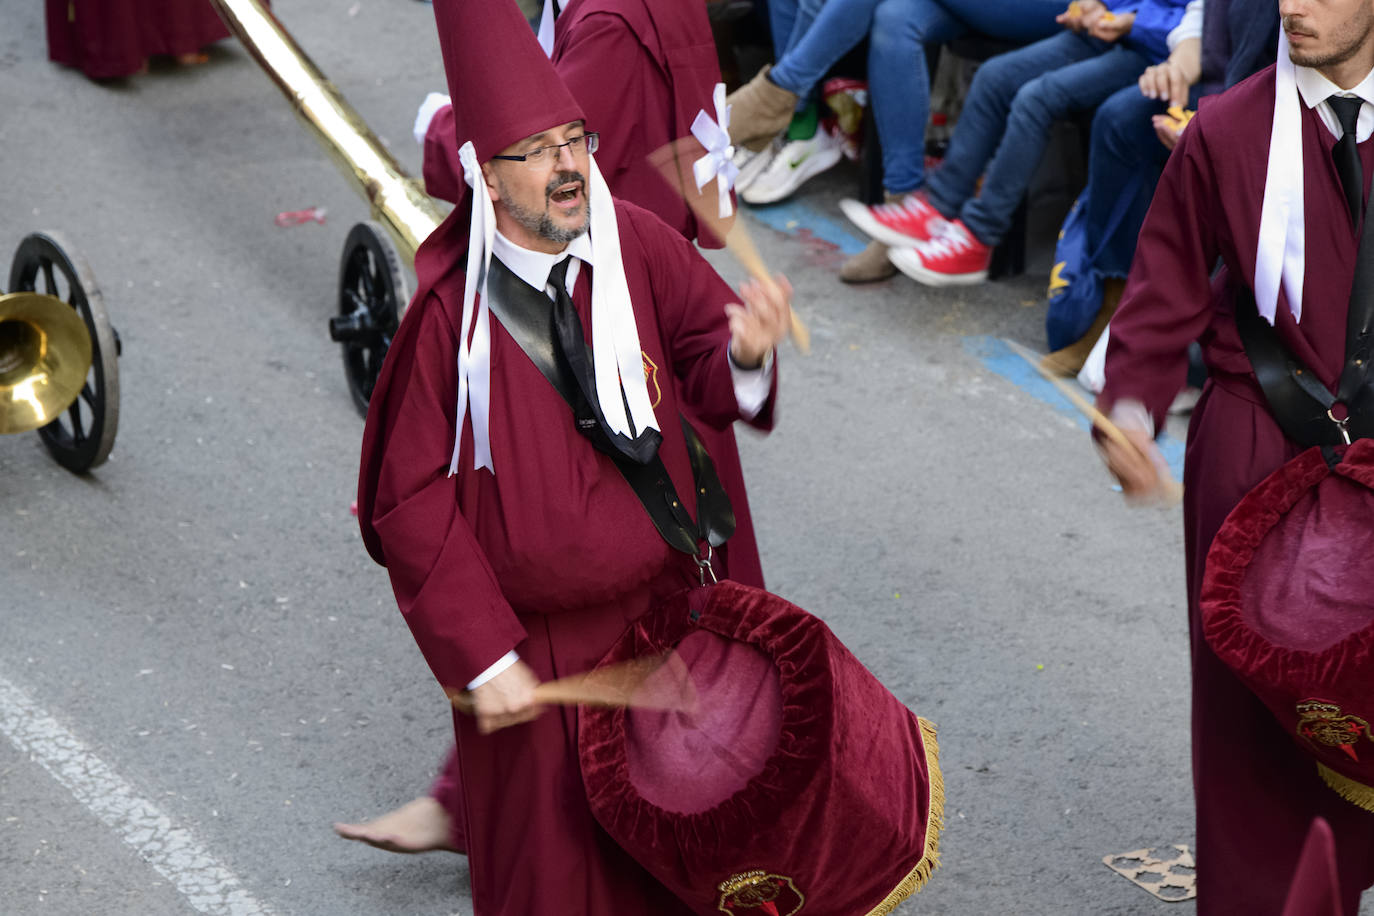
(527, 314)
(1306, 411)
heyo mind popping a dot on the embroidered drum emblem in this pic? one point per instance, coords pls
(1324, 724)
(651, 379)
(758, 893)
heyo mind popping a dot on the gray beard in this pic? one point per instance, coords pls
(541, 224)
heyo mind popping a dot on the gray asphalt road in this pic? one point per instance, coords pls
(197, 643)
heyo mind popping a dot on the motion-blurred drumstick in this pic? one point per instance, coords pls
(650, 682)
(1172, 489)
(674, 162)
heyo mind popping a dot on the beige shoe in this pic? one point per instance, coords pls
(759, 110)
(1069, 360)
(868, 266)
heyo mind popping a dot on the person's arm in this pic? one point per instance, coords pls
(443, 173)
(1171, 80)
(1166, 305)
(408, 507)
(1152, 23)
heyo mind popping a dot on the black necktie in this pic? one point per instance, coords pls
(572, 345)
(1346, 154)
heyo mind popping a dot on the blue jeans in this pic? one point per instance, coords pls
(898, 76)
(1006, 122)
(1123, 144)
(820, 32)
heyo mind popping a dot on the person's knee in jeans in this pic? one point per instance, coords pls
(1121, 124)
(976, 134)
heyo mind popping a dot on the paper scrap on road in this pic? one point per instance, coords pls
(1165, 871)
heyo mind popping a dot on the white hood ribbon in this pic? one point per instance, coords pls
(545, 33)
(615, 338)
(718, 163)
(474, 361)
(1281, 256)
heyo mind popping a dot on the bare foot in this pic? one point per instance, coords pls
(418, 826)
(194, 59)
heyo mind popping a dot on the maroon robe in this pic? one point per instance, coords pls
(107, 39)
(1256, 791)
(552, 555)
(663, 72)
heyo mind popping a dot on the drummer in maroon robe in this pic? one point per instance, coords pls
(516, 549)
(1256, 791)
(665, 69)
(107, 39)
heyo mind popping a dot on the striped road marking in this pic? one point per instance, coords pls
(175, 854)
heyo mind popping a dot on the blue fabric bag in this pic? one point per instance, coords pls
(1075, 292)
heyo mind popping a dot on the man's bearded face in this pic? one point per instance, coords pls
(1326, 33)
(558, 213)
(546, 200)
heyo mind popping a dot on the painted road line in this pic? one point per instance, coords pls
(998, 358)
(793, 216)
(172, 851)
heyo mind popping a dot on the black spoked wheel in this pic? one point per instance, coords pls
(82, 437)
(372, 291)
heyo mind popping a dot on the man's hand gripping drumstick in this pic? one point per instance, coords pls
(768, 295)
(516, 695)
(1128, 448)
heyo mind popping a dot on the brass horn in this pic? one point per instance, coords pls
(45, 353)
(399, 202)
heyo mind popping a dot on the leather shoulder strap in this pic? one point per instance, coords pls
(527, 315)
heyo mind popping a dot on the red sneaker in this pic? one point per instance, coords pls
(953, 258)
(901, 223)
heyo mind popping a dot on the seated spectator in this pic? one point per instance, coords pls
(946, 234)
(1225, 41)
(812, 35)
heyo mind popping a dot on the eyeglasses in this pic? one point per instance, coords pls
(543, 155)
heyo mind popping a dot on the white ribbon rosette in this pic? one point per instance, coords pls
(718, 163)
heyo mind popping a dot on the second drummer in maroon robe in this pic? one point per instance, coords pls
(525, 558)
(1256, 791)
(641, 71)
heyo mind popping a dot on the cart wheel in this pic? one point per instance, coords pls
(372, 289)
(81, 438)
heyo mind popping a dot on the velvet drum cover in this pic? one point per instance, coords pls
(1288, 603)
(795, 782)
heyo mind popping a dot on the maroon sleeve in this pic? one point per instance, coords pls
(691, 299)
(439, 164)
(408, 507)
(1167, 301)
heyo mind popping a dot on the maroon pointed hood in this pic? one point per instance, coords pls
(503, 89)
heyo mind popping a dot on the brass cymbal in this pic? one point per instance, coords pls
(45, 353)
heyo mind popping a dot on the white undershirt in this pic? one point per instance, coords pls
(751, 385)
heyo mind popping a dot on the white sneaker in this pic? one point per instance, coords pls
(796, 162)
(751, 164)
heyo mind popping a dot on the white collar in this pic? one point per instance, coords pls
(533, 266)
(1316, 89)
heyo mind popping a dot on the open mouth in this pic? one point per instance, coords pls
(567, 194)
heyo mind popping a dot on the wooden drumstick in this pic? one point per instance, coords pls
(1172, 490)
(674, 162)
(617, 685)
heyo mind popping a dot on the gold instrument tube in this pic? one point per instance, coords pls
(398, 201)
